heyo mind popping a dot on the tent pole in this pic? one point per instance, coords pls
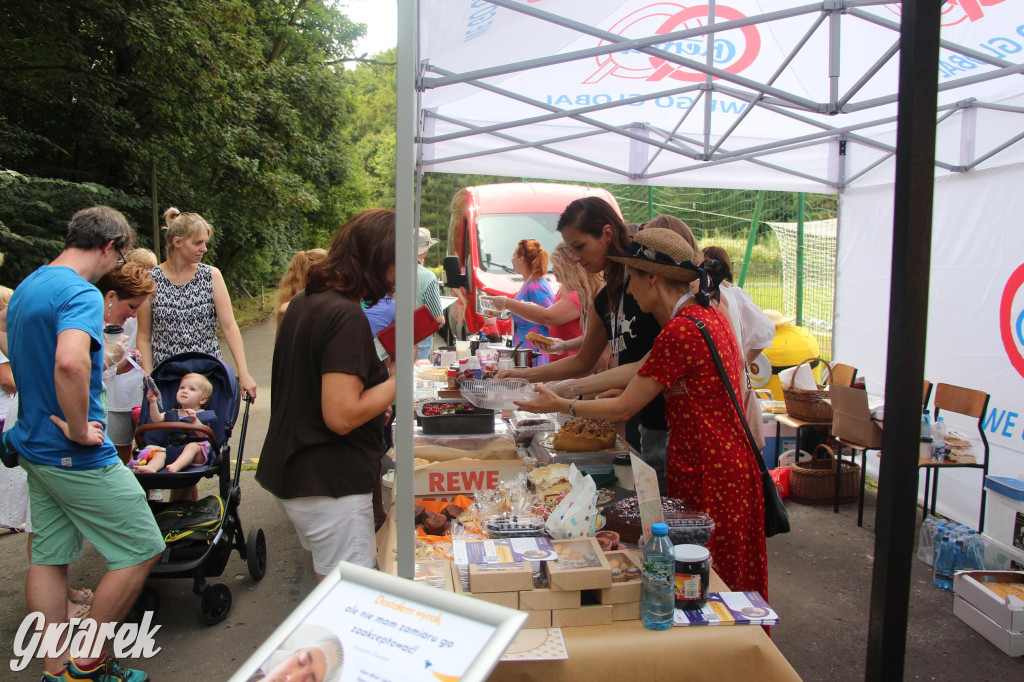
(751, 237)
(908, 324)
(406, 198)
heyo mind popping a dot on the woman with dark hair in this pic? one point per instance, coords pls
(323, 447)
(594, 232)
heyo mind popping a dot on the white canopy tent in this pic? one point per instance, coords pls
(777, 95)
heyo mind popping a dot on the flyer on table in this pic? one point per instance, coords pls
(360, 634)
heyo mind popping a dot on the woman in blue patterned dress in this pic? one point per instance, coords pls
(191, 298)
(531, 261)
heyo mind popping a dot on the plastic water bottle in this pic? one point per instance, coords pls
(926, 540)
(657, 605)
(944, 563)
(974, 551)
(939, 440)
(940, 530)
(926, 427)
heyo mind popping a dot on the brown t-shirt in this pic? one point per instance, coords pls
(321, 333)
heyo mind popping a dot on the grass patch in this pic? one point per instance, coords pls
(249, 311)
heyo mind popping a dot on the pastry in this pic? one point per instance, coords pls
(551, 483)
(420, 511)
(623, 517)
(585, 435)
(453, 511)
(534, 337)
(435, 524)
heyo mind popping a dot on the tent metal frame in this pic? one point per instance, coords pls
(708, 152)
(919, 44)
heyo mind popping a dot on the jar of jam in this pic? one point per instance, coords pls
(453, 378)
(693, 573)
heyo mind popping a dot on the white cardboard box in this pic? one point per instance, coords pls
(1010, 643)
(1006, 613)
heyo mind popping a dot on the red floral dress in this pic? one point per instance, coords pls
(710, 464)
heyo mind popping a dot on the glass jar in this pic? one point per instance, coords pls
(693, 574)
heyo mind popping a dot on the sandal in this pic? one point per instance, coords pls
(78, 610)
(82, 596)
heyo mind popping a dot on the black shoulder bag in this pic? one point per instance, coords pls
(776, 518)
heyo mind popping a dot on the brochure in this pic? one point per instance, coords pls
(503, 551)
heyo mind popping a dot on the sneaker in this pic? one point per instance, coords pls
(107, 670)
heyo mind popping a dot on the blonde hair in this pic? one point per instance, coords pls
(574, 278)
(296, 275)
(143, 257)
(207, 386)
(184, 226)
(5, 296)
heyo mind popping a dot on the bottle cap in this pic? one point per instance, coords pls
(659, 529)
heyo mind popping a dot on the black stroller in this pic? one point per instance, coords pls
(207, 556)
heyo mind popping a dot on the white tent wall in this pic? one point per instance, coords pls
(976, 301)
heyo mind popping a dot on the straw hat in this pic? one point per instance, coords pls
(660, 252)
(778, 319)
(425, 240)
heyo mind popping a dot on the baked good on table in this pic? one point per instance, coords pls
(435, 524)
(420, 511)
(623, 517)
(585, 435)
(452, 511)
(551, 483)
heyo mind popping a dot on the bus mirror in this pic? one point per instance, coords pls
(453, 277)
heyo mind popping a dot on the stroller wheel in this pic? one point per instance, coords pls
(214, 603)
(256, 553)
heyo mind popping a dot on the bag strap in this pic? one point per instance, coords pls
(728, 386)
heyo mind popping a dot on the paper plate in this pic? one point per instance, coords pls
(760, 371)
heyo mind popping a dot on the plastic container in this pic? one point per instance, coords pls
(693, 574)
(496, 394)
(1005, 501)
(689, 528)
(480, 420)
(624, 471)
(525, 526)
(926, 540)
(943, 568)
(112, 333)
(657, 601)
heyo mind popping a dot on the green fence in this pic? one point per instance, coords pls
(782, 244)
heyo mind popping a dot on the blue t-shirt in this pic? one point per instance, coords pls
(380, 314)
(52, 300)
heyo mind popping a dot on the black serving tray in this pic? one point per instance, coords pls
(480, 420)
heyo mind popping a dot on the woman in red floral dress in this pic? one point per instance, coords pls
(711, 465)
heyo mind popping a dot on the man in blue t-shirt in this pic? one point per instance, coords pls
(78, 487)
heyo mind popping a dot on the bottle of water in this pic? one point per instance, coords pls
(940, 531)
(657, 605)
(926, 540)
(939, 440)
(974, 552)
(926, 427)
(944, 563)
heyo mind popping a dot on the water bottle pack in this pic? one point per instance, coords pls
(956, 548)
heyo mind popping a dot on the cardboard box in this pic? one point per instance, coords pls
(537, 619)
(445, 480)
(534, 600)
(500, 577)
(585, 615)
(1007, 613)
(1010, 643)
(627, 611)
(581, 566)
(628, 586)
(851, 417)
(509, 599)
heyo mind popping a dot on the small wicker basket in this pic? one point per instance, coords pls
(805, 404)
(814, 482)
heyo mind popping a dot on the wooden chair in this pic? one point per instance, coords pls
(846, 440)
(843, 375)
(927, 394)
(970, 403)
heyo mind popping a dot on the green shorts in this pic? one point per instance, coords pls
(106, 506)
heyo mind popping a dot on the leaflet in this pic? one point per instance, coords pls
(730, 608)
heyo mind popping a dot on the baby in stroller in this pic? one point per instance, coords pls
(181, 449)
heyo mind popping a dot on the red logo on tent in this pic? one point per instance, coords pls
(1011, 319)
(957, 11)
(732, 51)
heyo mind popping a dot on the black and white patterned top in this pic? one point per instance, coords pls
(184, 317)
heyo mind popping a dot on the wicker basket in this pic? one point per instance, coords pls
(814, 482)
(805, 404)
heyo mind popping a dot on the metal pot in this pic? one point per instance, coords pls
(524, 357)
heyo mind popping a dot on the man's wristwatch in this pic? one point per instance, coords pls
(572, 408)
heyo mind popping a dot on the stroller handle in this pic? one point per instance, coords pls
(176, 426)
